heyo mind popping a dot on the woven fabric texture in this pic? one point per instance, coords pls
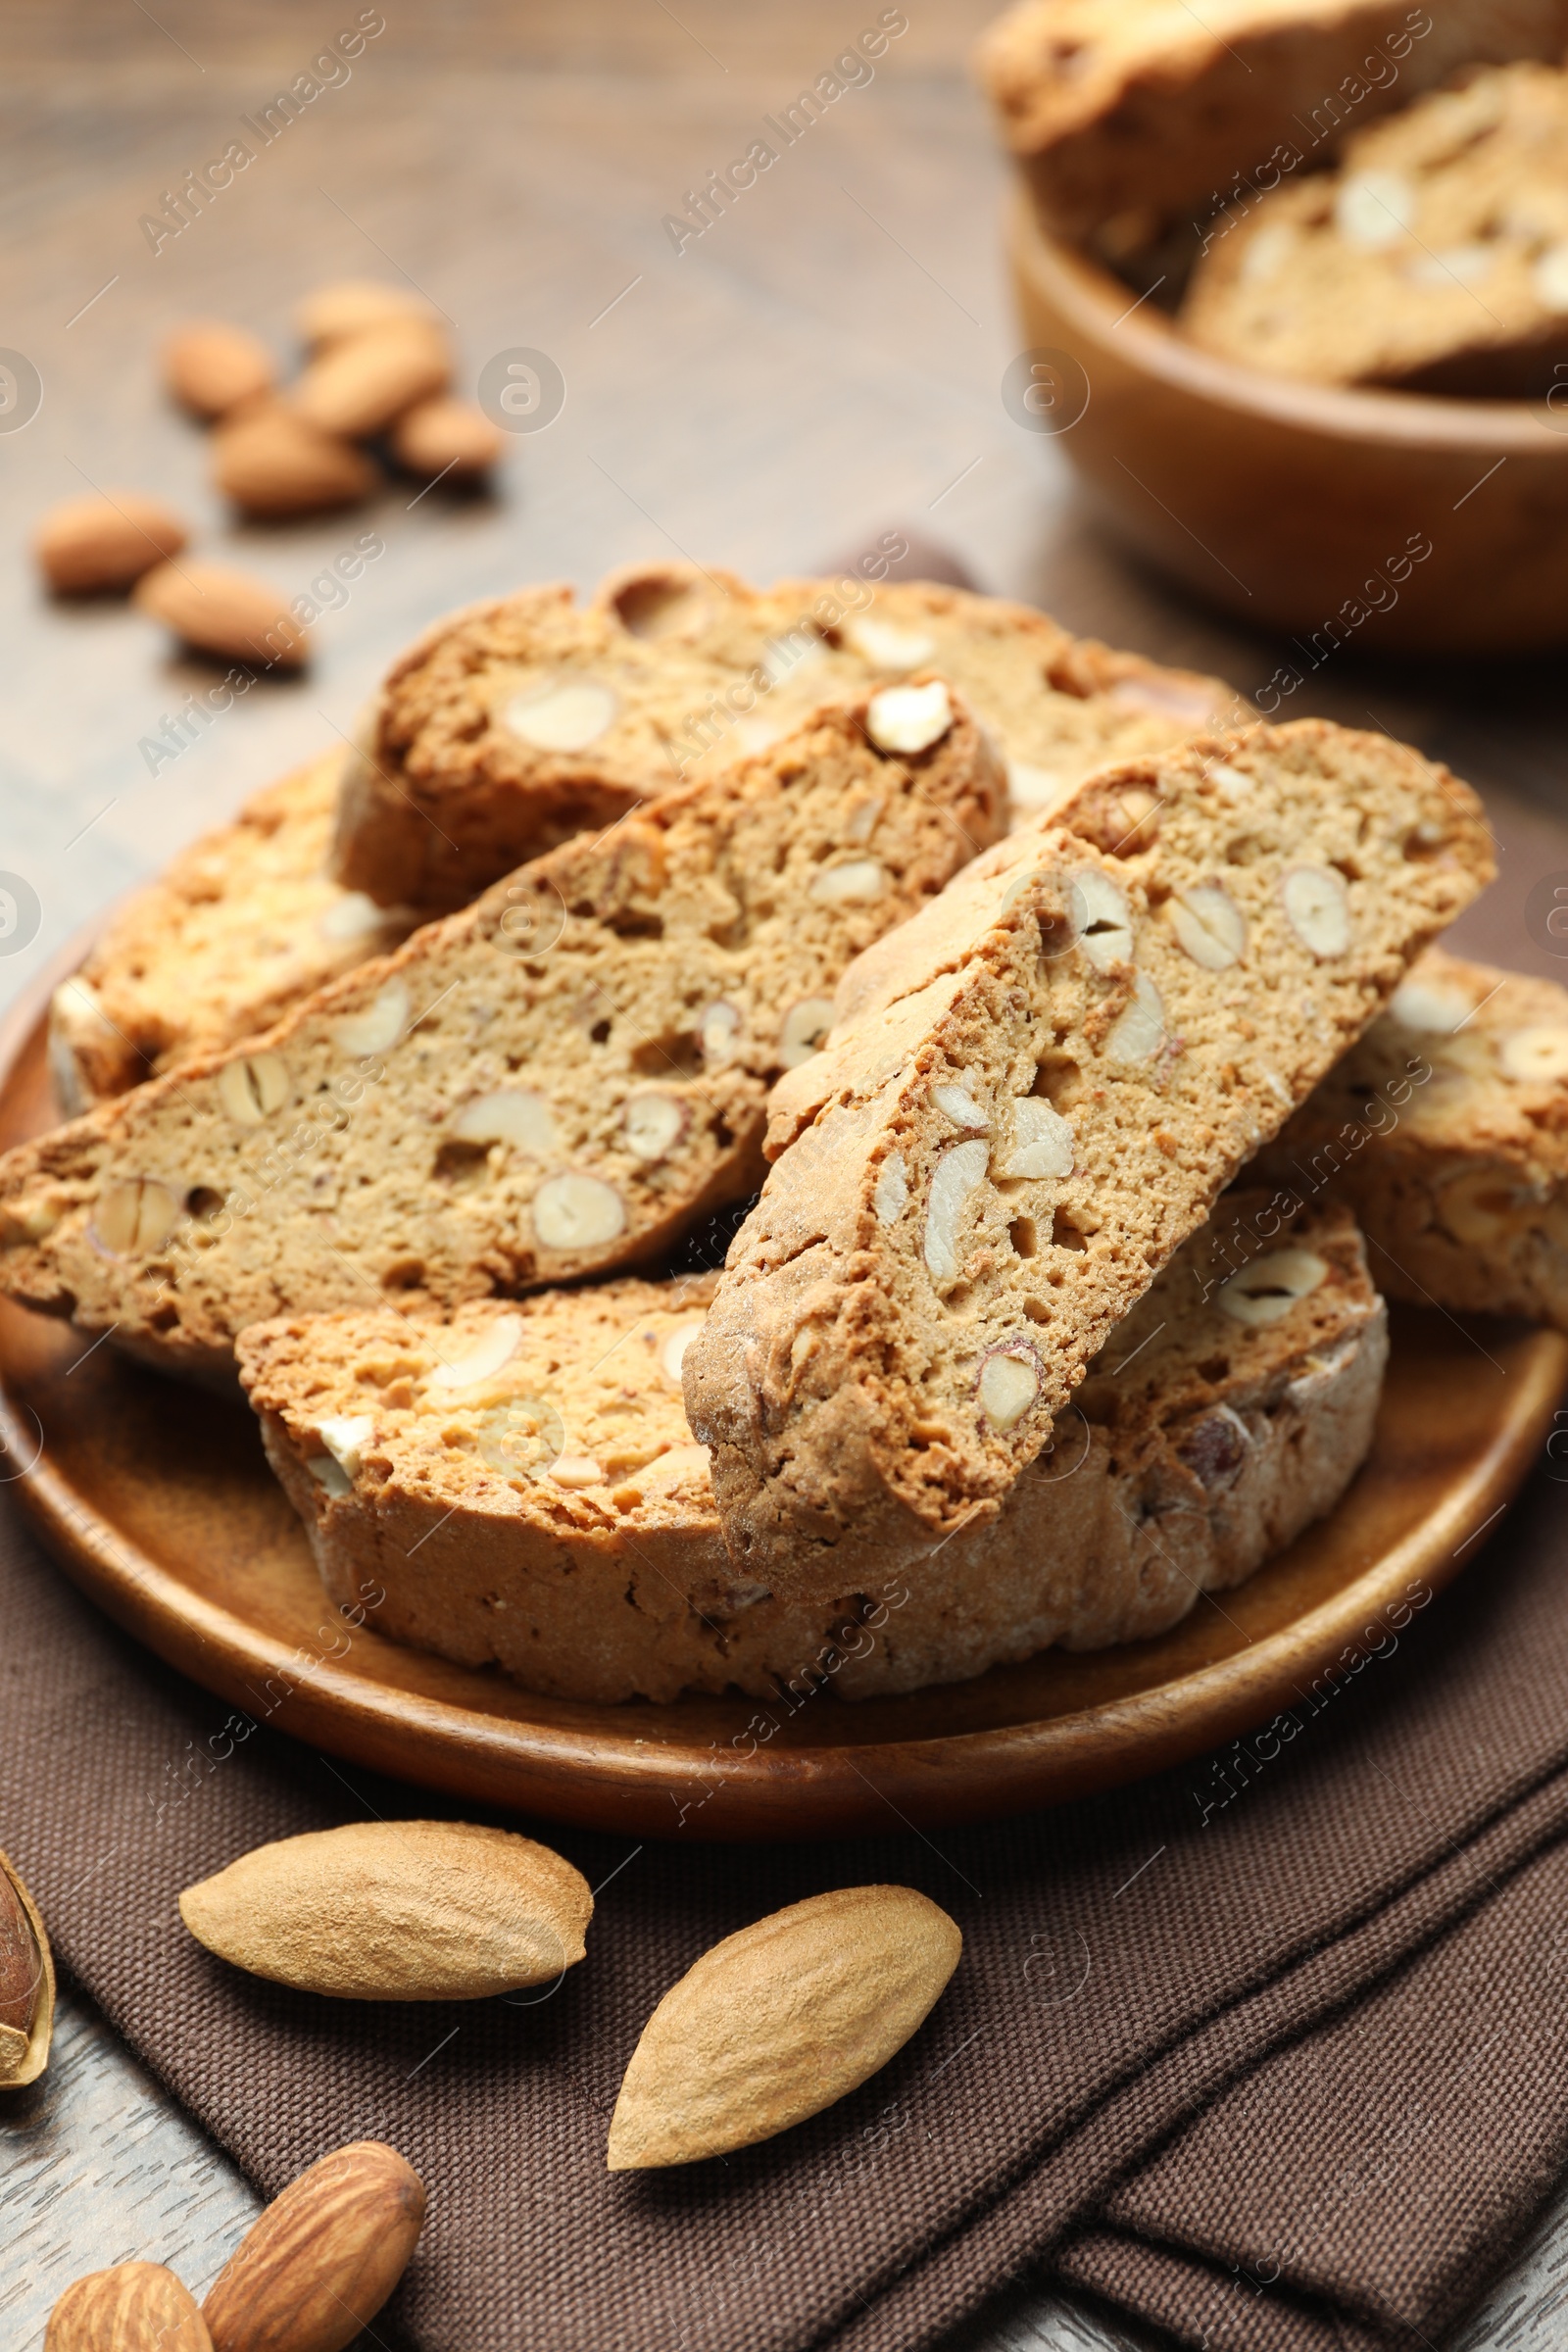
(1271, 2051)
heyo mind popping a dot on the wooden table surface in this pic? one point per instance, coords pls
(823, 363)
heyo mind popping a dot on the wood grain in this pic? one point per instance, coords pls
(824, 364)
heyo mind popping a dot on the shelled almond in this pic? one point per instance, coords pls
(106, 541)
(228, 613)
(135, 2307)
(212, 368)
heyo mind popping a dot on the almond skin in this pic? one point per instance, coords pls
(108, 542)
(396, 1911)
(322, 2259)
(223, 613)
(270, 462)
(352, 306)
(136, 2307)
(779, 2021)
(27, 1983)
(363, 383)
(211, 368)
(446, 437)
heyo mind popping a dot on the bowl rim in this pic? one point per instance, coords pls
(1097, 302)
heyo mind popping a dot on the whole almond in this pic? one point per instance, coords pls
(362, 383)
(211, 367)
(223, 613)
(270, 462)
(446, 437)
(322, 2259)
(105, 542)
(136, 2307)
(779, 2021)
(396, 1911)
(353, 305)
(27, 1983)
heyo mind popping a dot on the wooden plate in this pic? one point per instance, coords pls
(157, 1501)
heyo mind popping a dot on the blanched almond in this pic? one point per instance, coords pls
(1101, 918)
(134, 1216)
(804, 1029)
(513, 1114)
(363, 383)
(253, 1087)
(379, 1025)
(1009, 1383)
(1209, 925)
(396, 1911)
(1042, 1143)
(1139, 1031)
(780, 2021)
(1317, 906)
(211, 367)
(1265, 1292)
(272, 462)
(672, 1354)
(885, 644)
(652, 1125)
(565, 716)
(1540, 1054)
(223, 613)
(908, 718)
(484, 1359)
(578, 1213)
(107, 542)
(957, 1175)
(444, 436)
(855, 883)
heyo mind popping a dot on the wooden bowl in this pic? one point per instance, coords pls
(1289, 502)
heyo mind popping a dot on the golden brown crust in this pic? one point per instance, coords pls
(1034, 1094)
(516, 724)
(1199, 1446)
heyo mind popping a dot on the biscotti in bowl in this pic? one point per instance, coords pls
(1293, 284)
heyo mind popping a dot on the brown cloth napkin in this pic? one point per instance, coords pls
(1272, 2051)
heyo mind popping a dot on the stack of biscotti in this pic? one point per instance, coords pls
(555, 1082)
(702, 671)
(1034, 1091)
(1131, 116)
(243, 924)
(1433, 258)
(514, 723)
(1447, 1128)
(519, 1485)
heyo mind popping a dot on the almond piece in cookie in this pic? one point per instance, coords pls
(516, 724)
(528, 1492)
(457, 1120)
(843, 1380)
(236, 931)
(1447, 1127)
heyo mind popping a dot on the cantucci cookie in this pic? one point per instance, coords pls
(1032, 1096)
(1129, 116)
(514, 723)
(239, 929)
(1435, 256)
(559, 1079)
(520, 1486)
(1447, 1128)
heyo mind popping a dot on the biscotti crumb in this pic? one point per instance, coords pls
(969, 1193)
(519, 1485)
(561, 1079)
(1446, 1126)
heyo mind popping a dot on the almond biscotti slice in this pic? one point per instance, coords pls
(519, 1485)
(1031, 1098)
(557, 1080)
(512, 724)
(1130, 116)
(1433, 258)
(237, 929)
(1446, 1126)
